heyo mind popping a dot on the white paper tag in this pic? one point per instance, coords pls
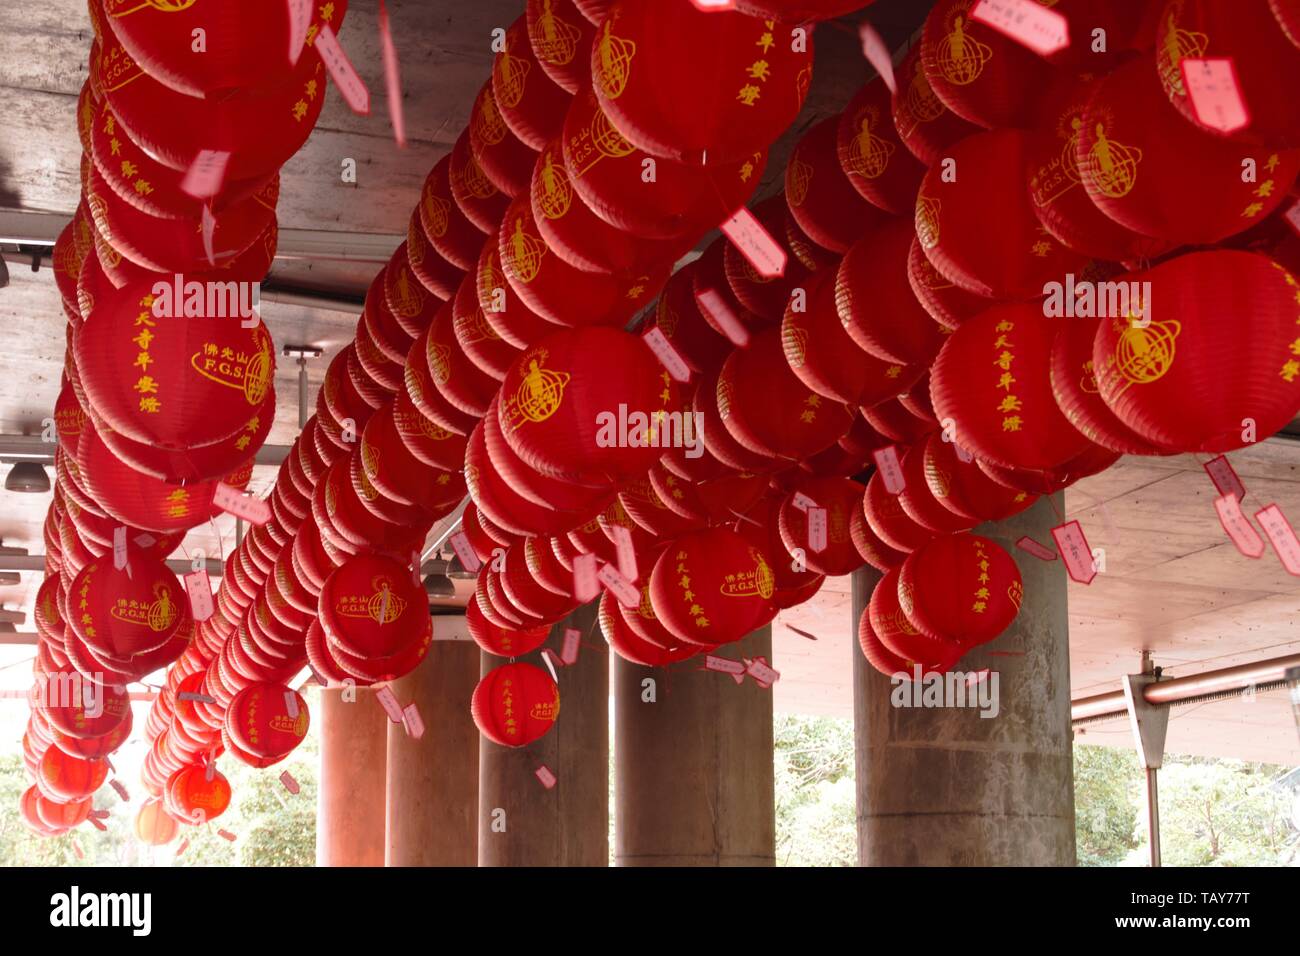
(290, 783)
(572, 644)
(1238, 527)
(1076, 554)
(877, 53)
(1214, 92)
(712, 302)
(817, 530)
(668, 356)
(723, 665)
(761, 672)
(1282, 536)
(299, 21)
(460, 544)
(546, 776)
(235, 502)
(342, 72)
(891, 470)
(388, 701)
(291, 704)
(626, 553)
(622, 588)
(199, 588)
(585, 585)
(1029, 23)
(119, 547)
(206, 174)
(412, 721)
(755, 243)
(802, 501)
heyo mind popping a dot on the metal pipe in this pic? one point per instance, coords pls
(1153, 814)
(303, 411)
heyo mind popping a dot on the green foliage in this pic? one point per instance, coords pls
(1107, 792)
(816, 814)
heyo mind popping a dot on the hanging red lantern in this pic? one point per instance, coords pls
(612, 176)
(872, 154)
(372, 609)
(425, 395)
(561, 38)
(267, 720)
(505, 159)
(876, 303)
(887, 519)
(501, 641)
(961, 588)
(503, 310)
(766, 296)
(438, 276)
(69, 777)
(718, 439)
(561, 407)
(766, 408)
(650, 512)
(515, 704)
(531, 103)
(918, 500)
(959, 484)
(980, 231)
(615, 626)
(194, 797)
(877, 654)
(1049, 481)
(1287, 13)
(477, 196)
(1258, 51)
(1153, 172)
(821, 198)
(980, 73)
(391, 467)
(1188, 381)
(711, 587)
(947, 303)
(447, 229)
(714, 296)
(128, 612)
(458, 379)
(61, 817)
(480, 342)
(90, 748)
(901, 637)
(870, 547)
(79, 711)
(744, 80)
(992, 380)
(923, 121)
(835, 553)
(154, 825)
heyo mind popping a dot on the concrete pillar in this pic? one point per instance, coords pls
(350, 802)
(433, 781)
(945, 787)
(693, 769)
(520, 822)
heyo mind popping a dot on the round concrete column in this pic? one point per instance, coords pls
(693, 764)
(948, 787)
(520, 822)
(433, 780)
(350, 802)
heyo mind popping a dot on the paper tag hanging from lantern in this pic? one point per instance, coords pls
(1225, 477)
(585, 585)
(891, 470)
(1214, 92)
(1028, 23)
(668, 356)
(1040, 551)
(460, 544)
(626, 553)
(1076, 554)
(119, 547)
(723, 665)
(572, 644)
(291, 704)
(761, 672)
(412, 722)
(388, 701)
(1282, 536)
(199, 589)
(546, 776)
(227, 836)
(299, 21)
(118, 786)
(206, 174)
(817, 530)
(290, 783)
(208, 227)
(755, 243)
(342, 72)
(712, 302)
(622, 588)
(1292, 216)
(802, 501)
(1238, 526)
(234, 502)
(184, 845)
(392, 78)
(877, 53)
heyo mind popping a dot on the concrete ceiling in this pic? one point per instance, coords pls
(1173, 584)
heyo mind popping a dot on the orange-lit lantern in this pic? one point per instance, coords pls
(515, 704)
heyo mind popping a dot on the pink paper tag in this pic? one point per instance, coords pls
(1282, 536)
(206, 174)
(761, 672)
(713, 302)
(877, 53)
(76, 846)
(626, 553)
(755, 243)
(1075, 552)
(1238, 526)
(98, 814)
(121, 790)
(208, 227)
(342, 72)
(622, 588)
(119, 547)
(1040, 551)
(299, 21)
(199, 588)
(802, 501)
(1225, 477)
(144, 540)
(585, 585)
(209, 771)
(184, 845)
(723, 665)
(546, 776)
(97, 823)
(1042, 30)
(963, 454)
(1292, 216)
(190, 695)
(392, 78)
(1215, 94)
(460, 544)
(235, 502)
(572, 643)
(668, 356)
(817, 530)
(412, 721)
(291, 704)
(389, 702)
(891, 470)
(290, 783)
(227, 835)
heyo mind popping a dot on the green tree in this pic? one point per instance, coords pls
(816, 814)
(1106, 794)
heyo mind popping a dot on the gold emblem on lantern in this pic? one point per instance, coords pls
(367, 491)
(724, 393)
(919, 102)
(369, 459)
(539, 394)
(1110, 168)
(1177, 45)
(801, 174)
(794, 341)
(512, 75)
(554, 40)
(525, 253)
(439, 356)
(614, 62)
(760, 581)
(1144, 355)
(557, 191)
(666, 317)
(158, 615)
(487, 123)
(406, 298)
(607, 139)
(1016, 593)
(927, 221)
(1088, 379)
(938, 480)
(436, 214)
(471, 179)
(382, 606)
(869, 154)
(162, 6)
(960, 56)
(472, 328)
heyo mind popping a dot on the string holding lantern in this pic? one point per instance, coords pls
(515, 704)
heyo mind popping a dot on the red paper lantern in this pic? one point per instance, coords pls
(267, 720)
(822, 200)
(870, 547)
(766, 408)
(81, 711)
(877, 306)
(499, 640)
(1190, 381)
(764, 295)
(476, 337)
(438, 276)
(196, 799)
(525, 593)
(61, 817)
(128, 614)
(959, 484)
(371, 608)
(901, 637)
(1051, 480)
(69, 777)
(840, 498)
(877, 654)
(650, 512)
(478, 197)
(718, 440)
(93, 747)
(698, 86)
(531, 103)
(961, 588)
(446, 228)
(947, 303)
(887, 519)
(425, 395)
(515, 704)
(992, 380)
(505, 313)
(561, 405)
(980, 231)
(918, 500)
(1153, 172)
(872, 154)
(505, 159)
(922, 120)
(631, 646)
(561, 38)
(711, 587)
(154, 825)
(980, 73)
